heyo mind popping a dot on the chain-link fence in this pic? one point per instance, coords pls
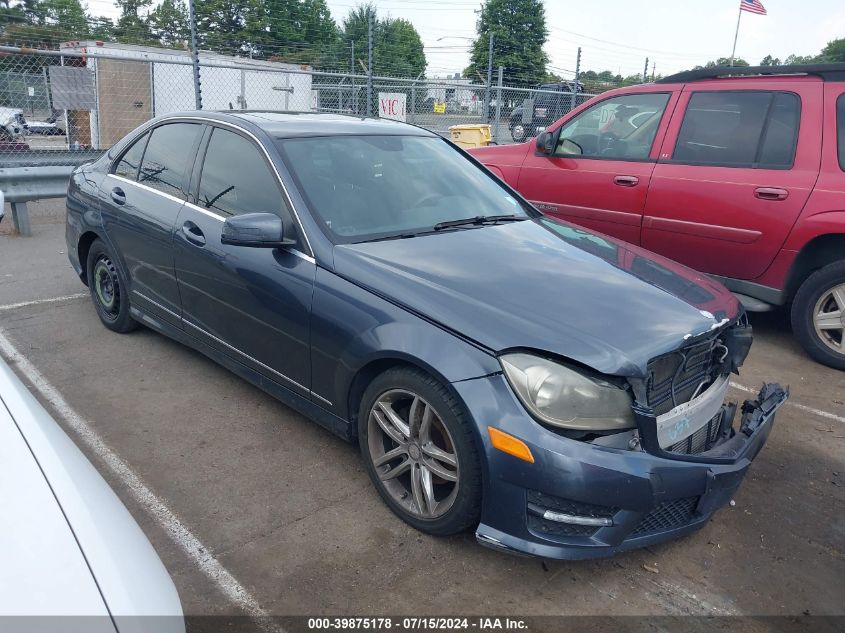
(58, 106)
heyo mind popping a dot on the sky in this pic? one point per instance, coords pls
(618, 35)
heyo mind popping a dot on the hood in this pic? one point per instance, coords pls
(546, 285)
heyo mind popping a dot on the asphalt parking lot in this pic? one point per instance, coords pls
(285, 509)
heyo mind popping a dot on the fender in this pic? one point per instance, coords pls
(352, 328)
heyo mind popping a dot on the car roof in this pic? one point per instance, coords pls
(825, 72)
(282, 124)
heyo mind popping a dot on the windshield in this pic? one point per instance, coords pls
(370, 187)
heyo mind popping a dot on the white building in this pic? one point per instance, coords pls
(135, 83)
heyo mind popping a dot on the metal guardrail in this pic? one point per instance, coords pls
(20, 185)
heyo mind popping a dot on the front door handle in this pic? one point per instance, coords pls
(193, 233)
(118, 196)
(626, 181)
(771, 193)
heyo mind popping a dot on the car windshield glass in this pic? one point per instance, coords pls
(368, 187)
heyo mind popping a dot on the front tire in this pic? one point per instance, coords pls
(420, 452)
(818, 315)
(107, 285)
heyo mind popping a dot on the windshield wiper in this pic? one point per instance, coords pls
(479, 220)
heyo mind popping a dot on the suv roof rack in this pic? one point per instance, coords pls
(827, 72)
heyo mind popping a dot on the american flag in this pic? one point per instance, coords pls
(752, 6)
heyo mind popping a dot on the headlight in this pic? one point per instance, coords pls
(566, 398)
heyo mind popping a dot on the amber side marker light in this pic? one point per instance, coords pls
(510, 445)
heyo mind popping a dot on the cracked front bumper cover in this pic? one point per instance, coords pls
(651, 497)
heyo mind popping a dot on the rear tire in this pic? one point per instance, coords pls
(107, 285)
(818, 315)
(421, 452)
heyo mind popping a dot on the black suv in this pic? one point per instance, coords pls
(547, 105)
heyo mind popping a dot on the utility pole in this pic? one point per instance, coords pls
(370, 65)
(577, 76)
(498, 105)
(195, 58)
(645, 71)
(489, 79)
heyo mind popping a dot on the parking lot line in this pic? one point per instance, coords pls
(181, 535)
(26, 304)
(796, 405)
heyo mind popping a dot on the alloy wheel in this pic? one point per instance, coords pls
(829, 318)
(413, 454)
(518, 132)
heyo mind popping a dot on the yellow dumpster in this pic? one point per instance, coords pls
(471, 135)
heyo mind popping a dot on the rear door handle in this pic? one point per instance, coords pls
(118, 196)
(193, 233)
(626, 181)
(771, 193)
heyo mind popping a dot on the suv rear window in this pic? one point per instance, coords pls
(757, 129)
(840, 129)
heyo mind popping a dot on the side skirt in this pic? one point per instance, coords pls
(310, 410)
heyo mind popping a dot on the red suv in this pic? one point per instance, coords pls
(740, 176)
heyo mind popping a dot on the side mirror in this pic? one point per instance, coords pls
(546, 143)
(256, 230)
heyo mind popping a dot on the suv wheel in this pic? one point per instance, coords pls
(818, 315)
(420, 452)
(519, 132)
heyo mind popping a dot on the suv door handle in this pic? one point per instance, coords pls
(626, 181)
(771, 193)
(193, 233)
(118, 196)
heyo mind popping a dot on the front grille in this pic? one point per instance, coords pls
(675, 378)
(540, 501)
(667, 516)
(700, 441)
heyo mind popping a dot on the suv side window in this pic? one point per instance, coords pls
(236, 179)
(127, 166)
(620, 128)
(753, 129)
(840, 129)
(168, 156)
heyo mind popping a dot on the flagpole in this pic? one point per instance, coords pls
(736, 35)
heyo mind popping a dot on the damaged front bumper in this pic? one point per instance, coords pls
(583, 500)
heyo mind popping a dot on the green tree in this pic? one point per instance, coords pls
(168, 23)
(132, 26)
(768, 60)
(834, 51)
(519, 34)
(68, 15)
(800, 59)
(234, 27)
(397, 46)
(300, 31)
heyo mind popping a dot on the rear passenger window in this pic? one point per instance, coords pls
(236, 179)
(127, 166)
(740, 129)
(168, 156)
(840, 129)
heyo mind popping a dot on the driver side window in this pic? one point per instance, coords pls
(620, 128)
